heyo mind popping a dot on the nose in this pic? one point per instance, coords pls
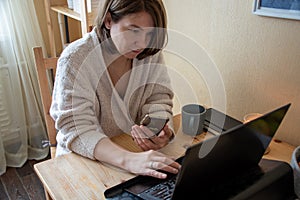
(142, 41)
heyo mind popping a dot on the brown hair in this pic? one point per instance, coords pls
(121, 8)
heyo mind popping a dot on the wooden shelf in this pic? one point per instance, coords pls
(60, 7)
(75, 15)
(66, 11)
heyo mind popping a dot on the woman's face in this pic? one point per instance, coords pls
(132, 34)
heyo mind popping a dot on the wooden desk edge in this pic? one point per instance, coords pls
(48, 191)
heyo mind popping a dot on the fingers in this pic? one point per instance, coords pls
(141, 137)
(152, 163)
(146, 132)
(157, 174)
(145, 139)
(167, 131)
(162, 164)
(167, 164)
(141, 132)
(168, 168)
(166, 128)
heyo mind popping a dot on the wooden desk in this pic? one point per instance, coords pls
(74, 177)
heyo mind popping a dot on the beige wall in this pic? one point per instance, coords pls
(258, 57)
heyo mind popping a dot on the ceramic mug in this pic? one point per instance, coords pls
(192, 119)
(295, 164)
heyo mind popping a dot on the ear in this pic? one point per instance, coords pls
(107, 20)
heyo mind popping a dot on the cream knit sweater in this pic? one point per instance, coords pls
(86, 106)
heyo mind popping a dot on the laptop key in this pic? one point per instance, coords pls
(161, 191)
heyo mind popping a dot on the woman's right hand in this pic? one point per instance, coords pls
(148, 163)
(151, 163)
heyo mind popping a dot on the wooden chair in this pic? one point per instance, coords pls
(46, 69)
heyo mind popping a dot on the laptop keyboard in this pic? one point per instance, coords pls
(163, 190)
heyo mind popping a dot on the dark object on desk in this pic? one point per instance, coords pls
(269, 180)
(277, 182)
(217, 122)
(210, 168)
(155, 124)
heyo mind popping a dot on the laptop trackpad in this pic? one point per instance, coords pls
(144, 184)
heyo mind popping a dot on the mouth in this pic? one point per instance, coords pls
(137, 51)
(134, 53)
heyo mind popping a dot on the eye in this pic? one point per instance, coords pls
(134, 30)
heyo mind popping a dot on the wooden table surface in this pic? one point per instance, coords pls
(74, 177)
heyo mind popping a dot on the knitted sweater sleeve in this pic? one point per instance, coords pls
(73, 104)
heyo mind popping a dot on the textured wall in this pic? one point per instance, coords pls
(258, 57)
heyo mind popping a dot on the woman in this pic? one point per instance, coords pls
(107, 81)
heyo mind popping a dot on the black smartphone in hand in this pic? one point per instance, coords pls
(155, 124)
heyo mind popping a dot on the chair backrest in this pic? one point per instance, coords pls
(46, 69)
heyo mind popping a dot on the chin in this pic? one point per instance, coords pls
(131, 55)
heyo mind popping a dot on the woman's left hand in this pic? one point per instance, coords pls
(146, 140)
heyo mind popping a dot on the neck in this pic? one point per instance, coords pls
(115, 59)
(117, 66)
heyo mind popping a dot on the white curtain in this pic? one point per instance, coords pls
(21, 124)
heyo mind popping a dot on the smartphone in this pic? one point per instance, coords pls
(155, 124)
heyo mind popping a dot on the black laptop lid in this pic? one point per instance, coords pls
(236, 149)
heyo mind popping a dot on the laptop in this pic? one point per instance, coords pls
(206, 166)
